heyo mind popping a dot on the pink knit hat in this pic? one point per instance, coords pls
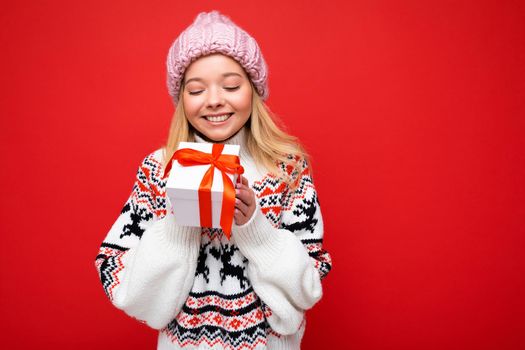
(210, 33)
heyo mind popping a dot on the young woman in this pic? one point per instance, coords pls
(200, 289)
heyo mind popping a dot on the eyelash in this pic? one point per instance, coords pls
(227, 88)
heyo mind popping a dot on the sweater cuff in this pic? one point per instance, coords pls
(172, 236)
(258, 240)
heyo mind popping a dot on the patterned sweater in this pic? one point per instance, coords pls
(203, 291)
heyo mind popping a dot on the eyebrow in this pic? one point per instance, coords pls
(200, 79)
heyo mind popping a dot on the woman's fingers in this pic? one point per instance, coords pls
(239, 217)
(244, 194)
(241, 206)
(244, 202)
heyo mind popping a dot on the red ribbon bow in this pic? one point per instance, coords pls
(227, 164)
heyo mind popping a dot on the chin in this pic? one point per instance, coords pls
(215, 137)
(220, 136)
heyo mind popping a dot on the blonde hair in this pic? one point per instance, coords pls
(269, 145)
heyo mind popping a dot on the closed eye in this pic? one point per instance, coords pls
(226, 88)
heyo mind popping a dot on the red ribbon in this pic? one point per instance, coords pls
(227, 164)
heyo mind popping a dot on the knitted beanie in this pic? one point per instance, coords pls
(210, 33)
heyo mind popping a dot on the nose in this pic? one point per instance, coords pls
(214, 98)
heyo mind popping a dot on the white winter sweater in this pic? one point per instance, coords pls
(203, 291)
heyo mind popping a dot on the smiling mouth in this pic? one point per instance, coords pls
(219, 118)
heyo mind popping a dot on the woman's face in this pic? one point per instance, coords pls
(217, 96)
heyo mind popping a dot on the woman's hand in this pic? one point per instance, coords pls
(244, 202)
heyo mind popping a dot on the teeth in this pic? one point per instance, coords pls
(219, 118)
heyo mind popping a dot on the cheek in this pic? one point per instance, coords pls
(243, 102)
(191, 107)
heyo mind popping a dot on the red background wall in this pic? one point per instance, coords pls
(413, 113)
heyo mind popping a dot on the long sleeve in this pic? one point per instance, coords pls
(287, 263)
(146, 262)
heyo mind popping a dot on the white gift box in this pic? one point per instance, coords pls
(182, 187)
